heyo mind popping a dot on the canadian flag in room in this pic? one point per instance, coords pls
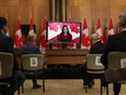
(86, 41)
(18, 41)
(111, 30)
(31, 30)
(99, 31)
(42, 37)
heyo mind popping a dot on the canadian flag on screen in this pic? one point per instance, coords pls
(86, 41)
(42, 37)
(18, 41)
(111, 30)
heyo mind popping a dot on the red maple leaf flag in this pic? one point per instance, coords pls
(111, 30)
(18, 41)
(99, 31)
(42, 37)
(31, 30)
(86, 41)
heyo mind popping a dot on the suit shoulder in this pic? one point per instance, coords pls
(116, 36)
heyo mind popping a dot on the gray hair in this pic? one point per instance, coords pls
(94, 38)
(122, 19)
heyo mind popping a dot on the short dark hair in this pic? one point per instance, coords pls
(3, 22)
(64, 27)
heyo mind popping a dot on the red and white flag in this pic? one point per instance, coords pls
(42, 37)
(18, 41)
(99, 31)
(31, 30)
(111, 29)
(86, 41)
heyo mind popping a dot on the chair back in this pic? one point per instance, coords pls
(32, 62)
(94, 65)
(6, 65)
(116, 66)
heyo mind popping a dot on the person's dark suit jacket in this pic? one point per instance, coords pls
(115, 43)
(6, 44)
(17, 79)
(97, 48)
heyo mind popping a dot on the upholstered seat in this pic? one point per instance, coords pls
(32, 62)
(6, 65)
(94, 65)
(94, 69)
(116, 67)
(32, 66)
(6, 71)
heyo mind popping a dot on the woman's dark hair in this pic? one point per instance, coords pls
(3, 22)
(64, 27)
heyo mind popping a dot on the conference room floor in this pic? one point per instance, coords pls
(67, 87)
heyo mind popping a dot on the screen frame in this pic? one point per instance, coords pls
(64, 22)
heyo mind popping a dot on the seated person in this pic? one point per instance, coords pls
(97, 47)
(116, 43)
(6, 45)
(30, 47)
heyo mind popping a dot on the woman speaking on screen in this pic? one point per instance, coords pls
(65, 36)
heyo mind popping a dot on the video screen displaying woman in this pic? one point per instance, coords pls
(60, 33)
(65, 35)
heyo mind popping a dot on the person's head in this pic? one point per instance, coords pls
(65, 29)
(3, 24)
(30, 39)
(122, 20)
(94, 38)
(97, 35)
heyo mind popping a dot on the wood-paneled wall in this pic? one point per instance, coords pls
(13, 9)
(76, 10)
(94, 9)
(117, 6)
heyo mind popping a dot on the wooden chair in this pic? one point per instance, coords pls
(94, 68)
(6, 70)
(32, 66)
(94, 65)
(116, 67)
